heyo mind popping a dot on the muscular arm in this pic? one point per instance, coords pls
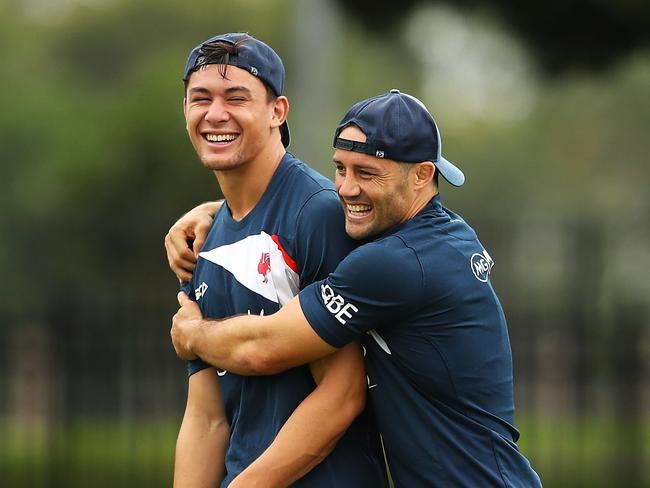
(253, 344)
(248, 344)
(314, 428)
(203, 436)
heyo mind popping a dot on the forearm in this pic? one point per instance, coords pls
(200, 453)
(225, 344)
(257, 345)
(203, 436)
(313, 429)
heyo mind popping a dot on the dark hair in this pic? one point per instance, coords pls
(219, 52)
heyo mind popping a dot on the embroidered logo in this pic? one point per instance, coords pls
(264, 266)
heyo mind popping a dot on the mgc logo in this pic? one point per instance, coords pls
(481, 264)
(336, 305)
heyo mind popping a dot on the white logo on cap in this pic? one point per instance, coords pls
(379, 154)
(253, 70)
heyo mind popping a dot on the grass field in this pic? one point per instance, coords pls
(594, 452)
(88, 454)
(588, 452)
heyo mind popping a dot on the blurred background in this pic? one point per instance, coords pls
(545, 106)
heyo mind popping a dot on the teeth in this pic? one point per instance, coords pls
(221, 137)
(359, 208)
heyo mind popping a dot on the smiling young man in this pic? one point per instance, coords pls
(418, 295)
(280, 229)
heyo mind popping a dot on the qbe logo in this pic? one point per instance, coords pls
(481, 264)
(336, 305)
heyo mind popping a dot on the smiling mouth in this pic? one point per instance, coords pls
(220, 138)
(358, 210)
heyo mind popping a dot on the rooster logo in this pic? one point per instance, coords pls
(264, 266)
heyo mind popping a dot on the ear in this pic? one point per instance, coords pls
(423, 173)
(280, 111)
(185, 110)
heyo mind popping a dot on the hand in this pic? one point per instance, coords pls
(184, 323)
(192, 228)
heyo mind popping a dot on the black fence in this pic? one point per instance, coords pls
(92, 393)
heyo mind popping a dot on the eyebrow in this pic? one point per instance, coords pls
(198, 90)
(232, 89)
(357, 167)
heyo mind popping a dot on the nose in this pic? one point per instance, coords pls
(347, 185)
(217, 112)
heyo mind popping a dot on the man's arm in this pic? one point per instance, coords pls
(185, 238)
(203, 436)
(248, 344)
(314, 428)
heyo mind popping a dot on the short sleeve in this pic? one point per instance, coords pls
(375, 286)
(321, 242)
(195, 365)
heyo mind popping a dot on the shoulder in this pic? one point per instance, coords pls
(389, 252)
(323, 204)
(448, 250)
(438, 234)
(306, 191)
(388, 263)
(310, 179)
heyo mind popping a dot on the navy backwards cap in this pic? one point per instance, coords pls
(253, 56)
(399, 127)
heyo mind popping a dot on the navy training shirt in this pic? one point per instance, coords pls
(294, 236)
(437, 351)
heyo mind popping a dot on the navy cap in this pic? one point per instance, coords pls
(399, 127)
(253, 56)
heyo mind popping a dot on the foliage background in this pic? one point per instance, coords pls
(549, 123)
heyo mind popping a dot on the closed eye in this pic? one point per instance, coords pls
(238, 94)
(199, 94)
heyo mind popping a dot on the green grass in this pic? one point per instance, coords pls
(594, 451)
(566, 451)
(88, 454)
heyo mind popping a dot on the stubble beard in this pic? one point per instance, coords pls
(233, 162)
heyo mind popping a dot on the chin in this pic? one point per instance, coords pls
(218, 165)
(358, 233)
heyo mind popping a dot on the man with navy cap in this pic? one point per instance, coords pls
(417, 294)
(304, 426)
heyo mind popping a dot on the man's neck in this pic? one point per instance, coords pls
(420, 201)
(243, 187)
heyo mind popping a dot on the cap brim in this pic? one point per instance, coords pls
(284, 133)
(450, 172)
